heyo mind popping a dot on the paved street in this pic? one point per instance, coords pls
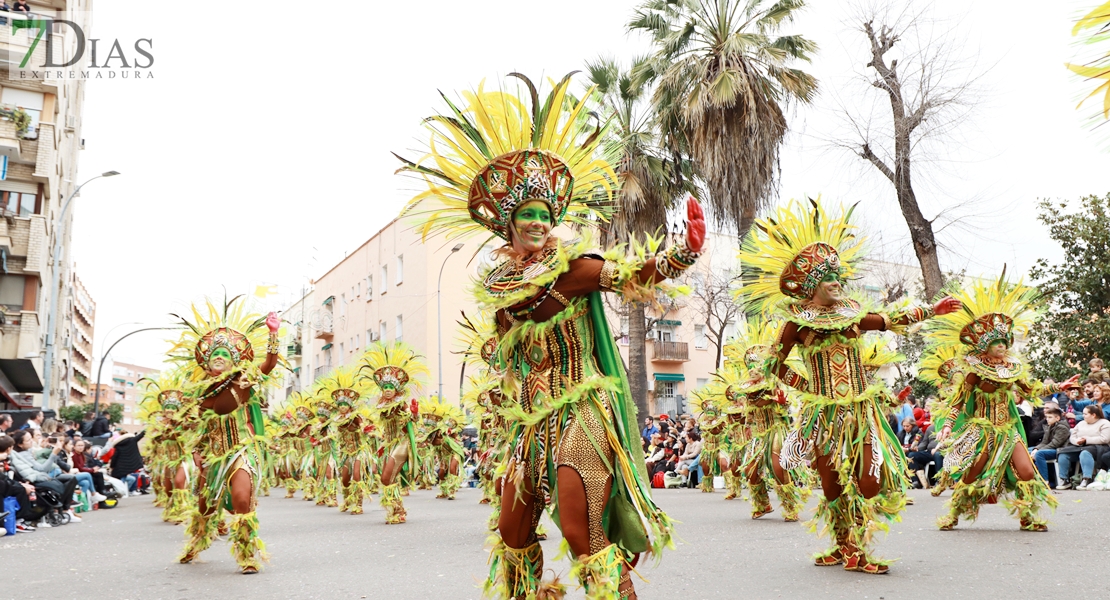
(128, 553)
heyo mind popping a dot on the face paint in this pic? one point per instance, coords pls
(532, 224)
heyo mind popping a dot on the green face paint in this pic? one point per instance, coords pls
(223, 353)
(831, 276)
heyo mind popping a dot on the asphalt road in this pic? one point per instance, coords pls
(128, 553)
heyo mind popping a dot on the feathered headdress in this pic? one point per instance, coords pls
(503, 148)
(434, 412)
(343, 387)
(231, 327)
(991, 312)
(478, 340)
(301, 406)
(1093, 31)
(787, 254)
(393, 364)
(937, 363)
(164, 392)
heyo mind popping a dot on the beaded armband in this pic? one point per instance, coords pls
(607, 280)
(796, 381)
(675, 260)
(918, 314)
(273, 346)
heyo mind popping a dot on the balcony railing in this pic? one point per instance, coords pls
(320, 371)
(293, 350)
(670, 351)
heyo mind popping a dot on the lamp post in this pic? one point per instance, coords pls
(439, 316)
(55, 290)
(100, 367)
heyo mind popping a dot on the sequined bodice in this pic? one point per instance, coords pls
(556, 358)
(836, 371)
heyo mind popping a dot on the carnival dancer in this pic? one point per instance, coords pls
(989, 456)
(176, 416)
(766, 414)
(348, 393)
(483, 399)
(795, 264)
(442, 427)
(282, 448)
(712, 423)
(939, 365)
(392, 367)
(518, 165)
(324, 447)
(220, 348)
(302, 455)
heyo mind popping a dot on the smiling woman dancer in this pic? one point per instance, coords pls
(220, 349)
(519, 169)
(795, 263)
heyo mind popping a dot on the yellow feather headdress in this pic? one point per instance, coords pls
(164, 392)
(393, 363)
(876, 351)
(232, 327)
(478, 340)
(500, 150)
(786, 255)
(937, 362)
(343, 386)
(991, 312)
(432, 410)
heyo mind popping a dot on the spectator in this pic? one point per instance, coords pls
(905, 411)
(37, 472)
(22, 491)
(35, 422)
(664, 424)
(21, 6)
(1075, 405)
(50, 427)
(71, 429)
(689, 459)
(1056, 435)
(5, 423)
(1102, 396)
(126, 459)
(95, 427)
(910, 437)
(84, 479)
(649, 429)
(1024, 406)
(84, 464)
(1098, 372)
(1092, 435)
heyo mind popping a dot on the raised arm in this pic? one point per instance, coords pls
(898, 322)
(272, 346)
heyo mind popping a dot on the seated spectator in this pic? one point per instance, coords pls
(689, 460)
(85, 479)
(71, 429)
(1092, 434)
(5, 423)
(50, 427)
(23, 492)
(35, 422)
(1074, 406)
(1101, 394)
(95, 427)
(1056, 434)
(126, 461)
(909, 434)
(36, 472)
(21, 6)
(921, 454)
(84, 464)
(649, 429)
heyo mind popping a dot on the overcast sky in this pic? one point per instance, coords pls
(260, 151)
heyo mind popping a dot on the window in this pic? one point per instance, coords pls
(11, 292)
(385, 279)
(665, 390)
(400, 269)
(397, 334)
(358, 288)
(730, 330)
(664, 333)
(353, 295)
(127, 420)
(17, 203)
(355, 345)
(369, 287)
(127, 408)
(342, 305)
(700, 341)
(624, 331)
(327, 357)
(381, 330)
(369, 336)
(341, 353)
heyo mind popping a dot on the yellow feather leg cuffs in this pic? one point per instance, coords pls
(516, 574)
(199, 535)
(246, 547)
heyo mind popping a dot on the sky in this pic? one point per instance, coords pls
(260, 152)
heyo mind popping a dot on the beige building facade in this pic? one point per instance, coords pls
(126, 389)
(38, 168)
(80, 314)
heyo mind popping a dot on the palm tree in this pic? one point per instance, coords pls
(650, 185)
(723, 76)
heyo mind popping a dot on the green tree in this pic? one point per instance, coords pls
(114, 412)
(1077, 327)
(723, 76)
(651, 183)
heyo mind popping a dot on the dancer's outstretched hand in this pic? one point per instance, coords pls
(948, 304)
(272, 322)
(695, 225)
(1070, 383)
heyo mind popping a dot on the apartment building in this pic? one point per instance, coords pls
(40, 140)
(386, 290)
(126, 390)
(298, 337)
(77, 346)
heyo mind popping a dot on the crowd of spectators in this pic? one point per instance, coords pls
(53, 471)
(672, 450)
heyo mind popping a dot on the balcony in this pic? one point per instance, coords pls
(320, 371)
(11, 143)
(293, 350)
(670, 351)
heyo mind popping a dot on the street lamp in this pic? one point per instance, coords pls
(55, 290)
(100, 367)
(439, 316)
